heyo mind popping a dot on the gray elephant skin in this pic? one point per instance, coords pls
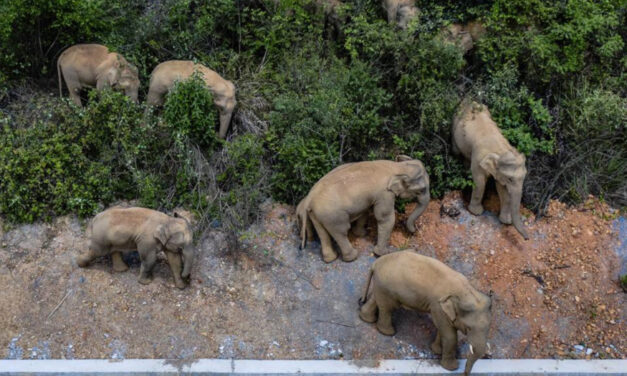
(413, 281)
(477, 137)
(347, 193)
(117, 230)
(93, 65)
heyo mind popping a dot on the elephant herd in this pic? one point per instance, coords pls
(341, 201)
(93, 65)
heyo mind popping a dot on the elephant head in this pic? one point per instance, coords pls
(123, 76)
(176, 236)
(509, 170)
(412, 182)
(470, 312)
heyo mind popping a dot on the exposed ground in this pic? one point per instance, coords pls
(556, 295)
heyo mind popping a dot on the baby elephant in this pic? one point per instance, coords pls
(123, 229)
(407, 279)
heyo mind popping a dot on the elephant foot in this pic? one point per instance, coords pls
(350, 256)
(329, 257)
(436, 348)
(368, 317)
(449, 364)
(505, 218)
(475, 209)
(180, 284)
(385, 329)
(144, 280)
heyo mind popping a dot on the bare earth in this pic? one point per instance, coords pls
(556, 295)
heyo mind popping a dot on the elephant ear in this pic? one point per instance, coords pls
(489, 163)
(162, 234)
(448, 306)
(398, 184)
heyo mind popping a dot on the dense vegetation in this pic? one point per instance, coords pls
(310, 97)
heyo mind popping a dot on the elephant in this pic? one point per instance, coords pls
(346, 195)
(93, 65)
(413, 281)
(167, 73)
(120, 229)
(400, 12)
(463, 35)
(477, 137)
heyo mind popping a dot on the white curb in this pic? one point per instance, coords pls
(139, 367)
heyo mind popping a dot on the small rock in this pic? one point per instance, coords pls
(588, 351)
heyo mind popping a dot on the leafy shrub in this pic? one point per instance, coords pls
(32, 33)
(189, 111)
(69, 161)
(329, 114)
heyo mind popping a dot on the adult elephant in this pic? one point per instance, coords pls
(167, 73)
(413, 281)
(477, 137)
(93, 65)
(346, 195)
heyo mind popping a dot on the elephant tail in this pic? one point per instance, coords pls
(304, 217)
(364, 296)
(59, 75)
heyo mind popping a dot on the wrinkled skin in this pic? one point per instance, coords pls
(92, 65)
(400, 12)
(167, 73)
(465, 36)
(413, 281)
(477, 137)
(346, 194)
(148, 231)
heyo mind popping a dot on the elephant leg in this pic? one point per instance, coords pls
(225, 120)
(148, 258)
(95, 251)
(359, 227)
(328, 254)
(385, 223)
(368, 311)
(436, 346)
(176, 265)
(479, 179)
(339, 231)
(448, 338)
(505, 215)
(386, 306)
(118, 263)
(153, 98)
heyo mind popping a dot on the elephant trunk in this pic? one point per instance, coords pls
(477, 352)
(515, 210)
(188, 256)
(423, 201)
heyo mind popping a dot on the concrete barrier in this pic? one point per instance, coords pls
(141, 367)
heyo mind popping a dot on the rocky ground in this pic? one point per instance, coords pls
(556, 295)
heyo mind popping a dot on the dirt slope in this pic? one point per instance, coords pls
(556, 295)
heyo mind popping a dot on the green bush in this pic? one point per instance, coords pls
(32, 33)
(69, 160)
(189, 112)
(329, 114)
